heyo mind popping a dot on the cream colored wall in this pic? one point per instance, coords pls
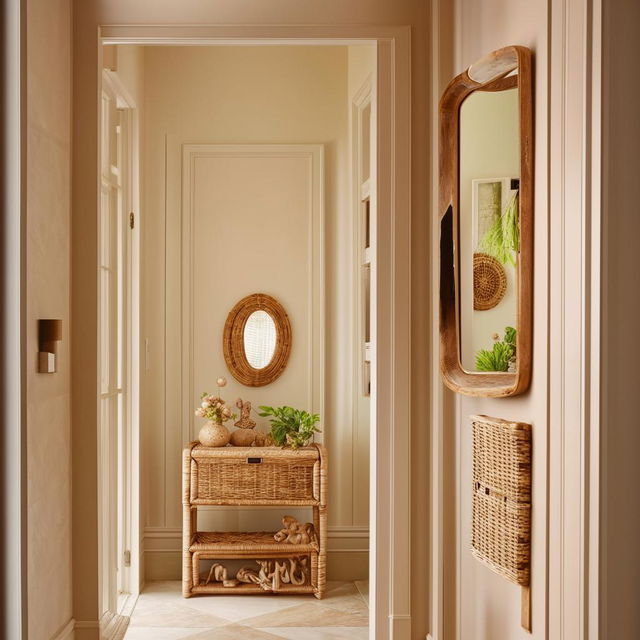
(245, 95)
(488, 606)
(489, 148)
(87, 17)
(48, 396)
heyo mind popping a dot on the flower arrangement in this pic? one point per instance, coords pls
(215, 410)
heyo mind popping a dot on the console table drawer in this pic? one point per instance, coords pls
(252, 475)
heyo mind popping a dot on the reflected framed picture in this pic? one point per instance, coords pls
(489, 197)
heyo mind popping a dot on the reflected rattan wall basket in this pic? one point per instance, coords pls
(489, 282)
(501, 518)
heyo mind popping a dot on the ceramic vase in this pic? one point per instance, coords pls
(214, 435)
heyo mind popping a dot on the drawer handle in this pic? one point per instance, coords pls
(254, 460)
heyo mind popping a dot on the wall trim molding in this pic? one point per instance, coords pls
(66, 631)
(332, 532)
(316, 307)
(574, 321)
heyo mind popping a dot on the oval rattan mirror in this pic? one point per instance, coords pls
(257, 340)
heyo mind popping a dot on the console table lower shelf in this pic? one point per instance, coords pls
(271, 566)
(291, 561)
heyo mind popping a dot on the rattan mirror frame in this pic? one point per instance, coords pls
(233, 340)
(488, 74)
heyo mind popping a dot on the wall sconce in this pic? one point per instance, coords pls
(49, 333)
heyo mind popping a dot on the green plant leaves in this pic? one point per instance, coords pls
(502, 240)
(498, 358)
(290, 427)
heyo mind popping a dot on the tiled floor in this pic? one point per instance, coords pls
(161, 613)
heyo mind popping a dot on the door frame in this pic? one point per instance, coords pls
(128, 457)
(390, 585)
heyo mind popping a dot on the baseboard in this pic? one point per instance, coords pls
(347, 553)
(400, 627)
(86, 630)
(66, 632)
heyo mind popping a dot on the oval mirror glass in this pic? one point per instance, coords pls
(259, 339)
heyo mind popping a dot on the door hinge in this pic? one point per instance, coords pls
(132, 220)
(127, 558)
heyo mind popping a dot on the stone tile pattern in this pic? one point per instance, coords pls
(161, 613)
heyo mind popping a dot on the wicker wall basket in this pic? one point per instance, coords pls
(489, 282)
(501, 518)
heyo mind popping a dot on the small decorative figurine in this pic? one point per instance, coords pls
(218, 573)
(245, 421)
(245, 435)
(295, 533)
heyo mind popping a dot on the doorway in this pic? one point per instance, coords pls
(118, 358)
(384, 552)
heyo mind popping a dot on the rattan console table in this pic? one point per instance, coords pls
(256, 476)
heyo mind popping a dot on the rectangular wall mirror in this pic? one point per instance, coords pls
(486, 192)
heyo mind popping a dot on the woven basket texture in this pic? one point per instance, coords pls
(234, 476)
(489, 282)
(501, 505)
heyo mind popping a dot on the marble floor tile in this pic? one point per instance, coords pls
(158, 633)
(363, 588)
(310, 615)
(234, 632)
(320, 633)
(170, 614)
(161, 613)
(235, 608)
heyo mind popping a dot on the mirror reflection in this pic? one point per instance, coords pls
(259, 339)
(489, 182)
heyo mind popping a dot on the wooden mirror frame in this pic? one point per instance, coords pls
(233, 340)
(488, 74)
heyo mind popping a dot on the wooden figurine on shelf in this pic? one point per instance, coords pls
(245, 434)
(248, 575)
(274, 573)
(295, 533)
(245, 421)
(218, 573)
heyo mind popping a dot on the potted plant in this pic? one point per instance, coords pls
(291, 427)
(503, 355)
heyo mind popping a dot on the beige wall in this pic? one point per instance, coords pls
(488, 605)
(87, 16)
(247, 95)
(48, 294)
